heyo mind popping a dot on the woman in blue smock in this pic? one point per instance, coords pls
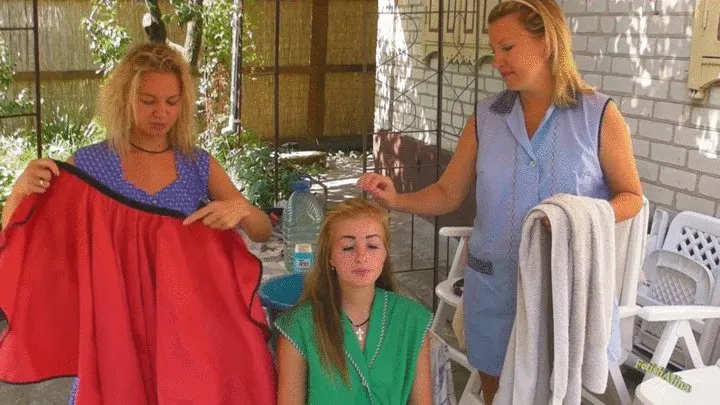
(548, 133)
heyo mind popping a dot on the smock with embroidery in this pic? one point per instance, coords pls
(381, 374)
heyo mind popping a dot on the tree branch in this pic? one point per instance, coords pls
(156, 31)
(153, 23)
(193, 37)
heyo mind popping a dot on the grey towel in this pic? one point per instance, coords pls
(565, 293)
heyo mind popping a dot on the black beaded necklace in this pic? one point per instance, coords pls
(150, 151)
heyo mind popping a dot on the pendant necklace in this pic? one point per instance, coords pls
(358, 329)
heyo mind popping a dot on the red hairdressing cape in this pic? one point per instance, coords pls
(141, 308)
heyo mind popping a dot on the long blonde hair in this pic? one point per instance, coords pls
(544, 18)
(322, 289)
(115, 105)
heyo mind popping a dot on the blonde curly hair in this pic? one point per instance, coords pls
(115, 104)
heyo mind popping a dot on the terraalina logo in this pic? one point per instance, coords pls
(673, 379)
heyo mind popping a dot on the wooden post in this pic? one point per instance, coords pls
(318, 68)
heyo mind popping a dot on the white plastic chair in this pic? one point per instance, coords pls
(704, 380)
(698, 385)
(658, 230)
(683, 272)
(448, 302)
(630, 248)
(677, 318)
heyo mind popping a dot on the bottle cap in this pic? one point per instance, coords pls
(301, 185)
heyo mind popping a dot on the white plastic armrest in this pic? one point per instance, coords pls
(627, 311)
(678, 312)
(456, 231)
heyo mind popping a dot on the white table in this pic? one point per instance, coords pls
(705, 383)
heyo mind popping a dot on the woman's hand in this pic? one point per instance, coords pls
(381, 188)
(36, 178)
(221, 215)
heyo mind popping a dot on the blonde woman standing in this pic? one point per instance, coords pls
(548, 133)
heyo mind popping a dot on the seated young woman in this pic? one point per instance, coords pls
(351, 339)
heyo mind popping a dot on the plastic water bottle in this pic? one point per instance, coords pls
(301, 221)
(302, 258)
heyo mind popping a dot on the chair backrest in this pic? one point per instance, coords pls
(709, 343)
(457, 268)
(680, 280)
(658, 230)
(683, 272)
(696, 236)
(630, 248)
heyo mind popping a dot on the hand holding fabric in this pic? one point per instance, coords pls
(221, 215)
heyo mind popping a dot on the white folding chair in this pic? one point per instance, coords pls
(702, 381)
(686, 276)
(448, 302)
(630, 248)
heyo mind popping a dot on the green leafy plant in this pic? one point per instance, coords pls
(250, 163)
(62, 135)
(108, 40)
(6, 68)
(22, 103)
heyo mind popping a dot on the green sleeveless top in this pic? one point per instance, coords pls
(381, 374)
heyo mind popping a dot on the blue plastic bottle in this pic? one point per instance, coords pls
(301, 221)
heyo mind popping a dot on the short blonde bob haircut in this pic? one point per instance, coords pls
(115, 105)
(544, 18)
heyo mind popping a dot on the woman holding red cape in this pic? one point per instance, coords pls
(122, 266)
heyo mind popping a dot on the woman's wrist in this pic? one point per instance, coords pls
(15, 194)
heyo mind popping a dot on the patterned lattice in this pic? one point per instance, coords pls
(673, 288)
(701, 246)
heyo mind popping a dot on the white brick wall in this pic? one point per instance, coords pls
(692, 203)
(615, 6)
(580, 42)
(641, 147)
(597, 6)
(668, 154)
(679, 179)
(698, 139)
(648, 170)
(704, 162)
(665, 6)
(671, 112)
(658, 194)
(709, 186)
(659, 131)
(636, 51)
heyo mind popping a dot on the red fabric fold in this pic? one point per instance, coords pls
(143, 309)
